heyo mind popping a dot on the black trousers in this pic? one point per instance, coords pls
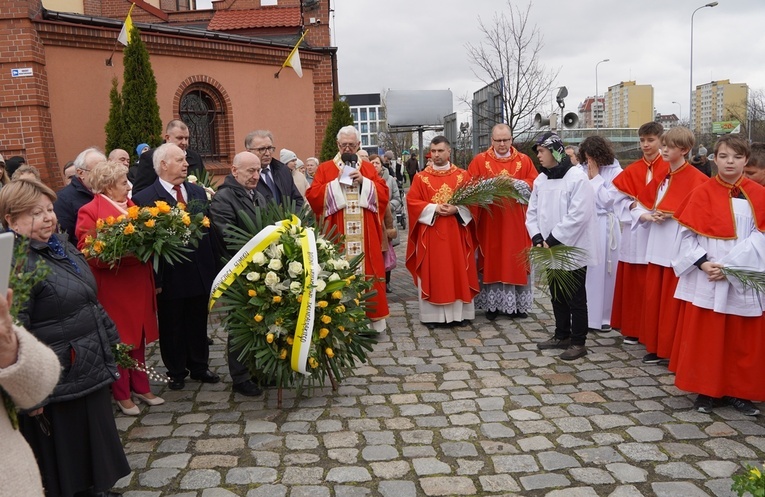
(239, 372)
(183, 335)
(571, 312)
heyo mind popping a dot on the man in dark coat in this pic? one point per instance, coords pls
(183, 288)
(178, 133)
(77, 193)
(238, 193)
(412, 167)
(276, 178)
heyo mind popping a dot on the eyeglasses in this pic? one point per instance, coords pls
(502, 140)
(262, 150)
(343, 146)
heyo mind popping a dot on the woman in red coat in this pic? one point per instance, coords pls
(127, 290)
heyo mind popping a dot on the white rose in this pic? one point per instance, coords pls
(191, 179)
(342, 264)
(296, 287)
(295, 269)
(275, 264)
(271, 278)
(275, 251)
(320, 286)
(322, 243)
(253, 276)
(334, 277)
(259, 258)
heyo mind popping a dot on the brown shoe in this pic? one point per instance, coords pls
(554, 343)
(573, 352)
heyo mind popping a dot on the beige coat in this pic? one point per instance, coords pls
(300, 182)
(28, 382)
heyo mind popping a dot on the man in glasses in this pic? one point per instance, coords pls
(178, 133)
(501, 232)
(353, 197)
(276, 182)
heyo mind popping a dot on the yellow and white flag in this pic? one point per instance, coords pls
(293, 59)
(127, 26)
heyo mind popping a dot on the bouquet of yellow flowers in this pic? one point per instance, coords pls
(158, 232)
(295, 325)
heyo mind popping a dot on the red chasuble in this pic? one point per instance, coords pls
(681, 182)
(632, 180)
(319, 196)
(501, 233)
(442, 256)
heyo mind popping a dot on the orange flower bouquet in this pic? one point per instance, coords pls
(161, 232)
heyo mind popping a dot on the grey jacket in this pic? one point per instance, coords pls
(63, 312)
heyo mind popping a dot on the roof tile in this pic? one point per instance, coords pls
(225, 20)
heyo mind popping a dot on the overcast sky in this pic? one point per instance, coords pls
(420, 44)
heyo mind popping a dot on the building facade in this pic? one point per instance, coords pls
(214, 69)
(718, 101)
(369, 118)
(591, 112)
(628, 105)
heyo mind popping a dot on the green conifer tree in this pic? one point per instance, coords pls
(341, 116)
(140, 111)
(115, 125)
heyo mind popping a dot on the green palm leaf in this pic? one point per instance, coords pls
(483, 192)
(555, 266)
(750, 279)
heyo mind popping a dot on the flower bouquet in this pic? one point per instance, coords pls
(296, 307)
(121, 353)
(203, 178)
(158, 232)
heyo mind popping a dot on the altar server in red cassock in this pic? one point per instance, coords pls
(656, 204)
(501, 231)
(440, 253)
(720, 341)
(355, 203)
(627, 310)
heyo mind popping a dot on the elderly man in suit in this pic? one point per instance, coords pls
(276, 181)
(183, 288)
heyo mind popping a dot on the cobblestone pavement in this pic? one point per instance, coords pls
(473, 410)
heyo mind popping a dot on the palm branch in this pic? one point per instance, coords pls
(555, 267)
(483, 192)
(237, 236)
(750, 279)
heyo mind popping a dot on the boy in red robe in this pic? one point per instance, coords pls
(440, 254)
(627, 310)
(501, 232)
(357, 210)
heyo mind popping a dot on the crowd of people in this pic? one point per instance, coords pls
(653, 241)
(650, 246)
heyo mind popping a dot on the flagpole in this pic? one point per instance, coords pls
(284, 64)
(114, 49)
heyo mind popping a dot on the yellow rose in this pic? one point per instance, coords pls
(283, 354)
(270, 338)
(341, 328)
(85, 252)
(162, 206)
(313, 362)
(110, 220)
(326, 319)
(120, 218)
(323, 333)
(150, 223)
(98, 246)
(154, 211)
(252, 293)
(206, 222)
(258, 318)
(337, 295)
(290, 340)
(279, 322)
(300, 297)
(100, 224)
(276, 299)
(132, 212)
(356, 301)
(330, 353)
(322, 304)
(129, 229)
(181, 206)
(340, 309)
(186, 219)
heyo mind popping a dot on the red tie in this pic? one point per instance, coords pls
(178, 193)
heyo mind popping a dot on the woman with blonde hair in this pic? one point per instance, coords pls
(127, 290)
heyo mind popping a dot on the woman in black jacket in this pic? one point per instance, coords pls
(72, 432)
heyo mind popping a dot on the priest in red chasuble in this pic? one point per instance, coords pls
(502, 236)
(353, 198)
(440, 253)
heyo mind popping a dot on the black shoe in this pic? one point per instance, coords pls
(431, 326)
(554, 343)
(519, 315)
(206, 376)
(573, 352)
(209, 341)
(492, 315)
(176, 383)
(651, 359)
(743, 406)
(247, 388)
(704, 403)
(388, 289)
(630, 340)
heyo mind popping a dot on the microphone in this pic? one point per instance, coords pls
(350, 159)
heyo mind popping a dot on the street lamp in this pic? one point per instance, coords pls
(690, 103)
(597, 102)
(680, 117)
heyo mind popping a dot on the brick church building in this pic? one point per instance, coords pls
(214, 69)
